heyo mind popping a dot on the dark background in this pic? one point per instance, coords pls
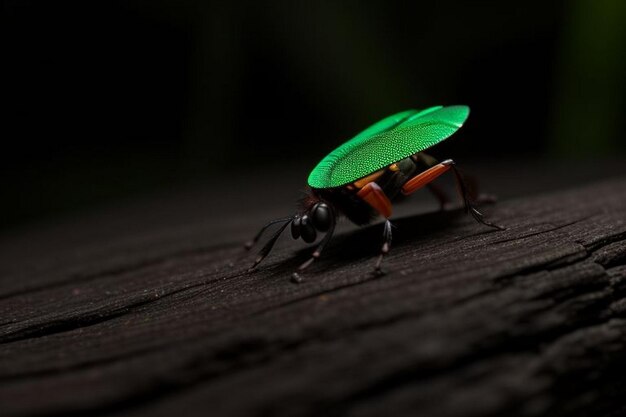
(108, 100)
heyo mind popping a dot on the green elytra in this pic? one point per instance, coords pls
(385, 142)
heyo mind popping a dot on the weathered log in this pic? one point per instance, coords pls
(467, 321)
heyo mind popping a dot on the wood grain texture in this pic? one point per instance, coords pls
(468, 321)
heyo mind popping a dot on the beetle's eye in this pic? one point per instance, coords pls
(307, 230)
(321, 217)
(295, 227)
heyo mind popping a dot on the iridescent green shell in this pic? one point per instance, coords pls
(385, 142)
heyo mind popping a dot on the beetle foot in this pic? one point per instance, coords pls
(296, 278)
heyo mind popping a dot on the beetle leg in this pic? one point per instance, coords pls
(469, 207)
(295, 277)
(424, 178)
(442, 197)
(385, 248)
(373, 195)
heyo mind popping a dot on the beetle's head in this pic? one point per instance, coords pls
(318, 217)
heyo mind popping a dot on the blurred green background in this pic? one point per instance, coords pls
(107, 100)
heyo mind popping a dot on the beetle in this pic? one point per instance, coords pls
(362, 177)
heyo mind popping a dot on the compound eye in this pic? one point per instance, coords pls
(295, 227)
(307, 230)
(321, 217)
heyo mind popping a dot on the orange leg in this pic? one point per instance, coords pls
(373, 195)
(423, 178)
(441, 196)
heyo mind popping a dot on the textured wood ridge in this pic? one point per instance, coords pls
(529, 321)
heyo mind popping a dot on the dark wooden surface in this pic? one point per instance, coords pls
(125, 313)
